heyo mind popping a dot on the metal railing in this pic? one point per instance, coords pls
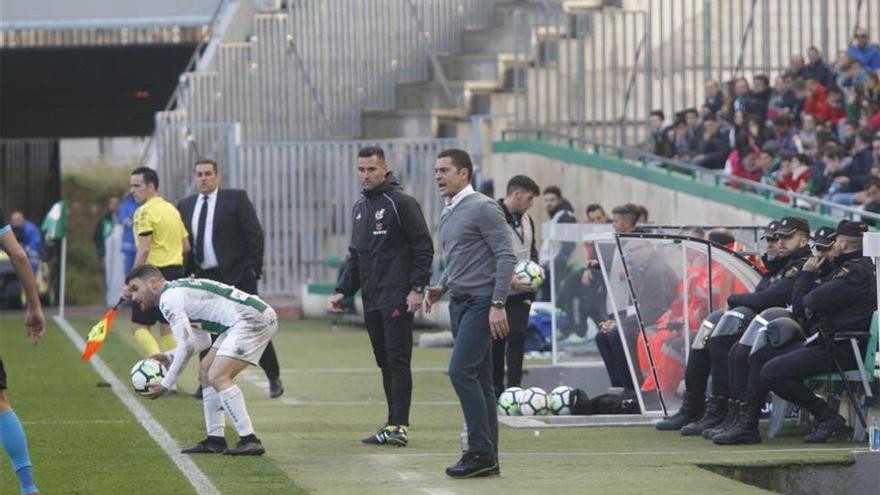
(597, 75)
(102, 36)
(714, 177)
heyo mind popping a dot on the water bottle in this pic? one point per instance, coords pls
(463, 439)
(874, 435)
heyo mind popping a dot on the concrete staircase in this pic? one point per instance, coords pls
(479, 80)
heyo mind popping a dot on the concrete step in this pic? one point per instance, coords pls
(383, 124)
(477, 67)
(430, 94)
(489, 40)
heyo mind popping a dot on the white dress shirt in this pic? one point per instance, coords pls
(209, 257)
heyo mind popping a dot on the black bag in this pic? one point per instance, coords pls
(623, 403)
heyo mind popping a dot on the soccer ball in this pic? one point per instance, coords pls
(508, 402)
(529, 271)
(145, 372)
(560, 400)
(533, 402)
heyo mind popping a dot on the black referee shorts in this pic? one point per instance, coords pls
(2, 376)
(152, 316)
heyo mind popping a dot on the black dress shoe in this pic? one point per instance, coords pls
(472, 465)
(276, 388)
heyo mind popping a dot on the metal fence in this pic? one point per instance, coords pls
(30, 176)
(598, 75)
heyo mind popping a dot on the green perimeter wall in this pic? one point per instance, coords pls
(671, 198)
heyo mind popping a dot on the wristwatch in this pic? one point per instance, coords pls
(419, 289)
(498, 304)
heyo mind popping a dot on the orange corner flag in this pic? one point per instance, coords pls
(98, 333)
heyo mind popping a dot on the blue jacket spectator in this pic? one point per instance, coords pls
(29, 236)
(868, 54)
(126, 218)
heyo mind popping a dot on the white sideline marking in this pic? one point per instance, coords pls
(79, 422)
(388, 462)
(194, 475)
(645, 452)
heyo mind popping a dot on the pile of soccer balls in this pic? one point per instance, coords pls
(535, 401)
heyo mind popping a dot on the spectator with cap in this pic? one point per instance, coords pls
(862, 50)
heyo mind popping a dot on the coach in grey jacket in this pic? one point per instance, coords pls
(478, 247)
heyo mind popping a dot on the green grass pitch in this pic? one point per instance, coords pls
(84, 441)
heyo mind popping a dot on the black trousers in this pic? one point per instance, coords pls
(738, 370)
(512, 347)
(391, 335)
(784, 374)
(696, 373)
(611, 350)
(247, 283)
(581, 302)
(719, 350)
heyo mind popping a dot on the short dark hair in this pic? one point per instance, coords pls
(763, 77)
(150, 176)
(831, 150)
(524, 183)
(692, 111)
(593, 207)
(721, 236)
(658, 113)
(553, 190)
(629, 211)
(865, 135)
(206, 161)
(782, 120)
(460, 159)
(143, 272)
(368, 151)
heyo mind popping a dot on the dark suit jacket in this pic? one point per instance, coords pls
(237, 235)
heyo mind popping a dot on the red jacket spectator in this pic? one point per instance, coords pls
(816, 102)
(741, 163)
(794, 174)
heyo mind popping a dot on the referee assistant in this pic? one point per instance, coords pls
(480, 260)
(390, 262)
(161, 240)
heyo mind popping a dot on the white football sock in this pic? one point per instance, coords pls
(233, 402)
(215, 417)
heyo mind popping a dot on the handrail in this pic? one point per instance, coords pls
(719, 177)
(190, 66)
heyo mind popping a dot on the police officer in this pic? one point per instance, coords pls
(748, 358)
(773, 290)
(390, 263)
(699, 363)
(844, 303)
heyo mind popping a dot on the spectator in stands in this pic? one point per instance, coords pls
(806, 140)
(841, 64)
(680, 139)
(742, 163)
(714, 97)
(758, 132)
(863, 51)
(871, 90)
(794, 174)
(713, 148)
(857, 171)
(694, 130)
(784, 135)
(104, 227)
(870, 198)
(738, 128)
(854, 77)
(817, 68)
(659, 141)
(816, 100)
(848, 135)
(729, 94)
(836, 109)
(760, 97)
(783, 99)
(767, 165)
(744, 101)
(824, 184)
(29, 236)
(796, 69)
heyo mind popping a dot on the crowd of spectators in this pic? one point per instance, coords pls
(814, 131)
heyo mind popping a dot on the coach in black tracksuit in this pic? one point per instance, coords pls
(390, 262)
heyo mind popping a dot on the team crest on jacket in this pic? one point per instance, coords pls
(380, 214)
(358, 217)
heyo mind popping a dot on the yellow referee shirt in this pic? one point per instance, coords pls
(161, 220)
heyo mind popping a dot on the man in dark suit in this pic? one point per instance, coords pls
(227, 241)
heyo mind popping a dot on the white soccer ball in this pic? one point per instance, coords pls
(508, 402)
(533, 402)
(531, 272)
(560, 400)
(145, 372)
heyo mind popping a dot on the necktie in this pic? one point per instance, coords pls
(200, 234)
